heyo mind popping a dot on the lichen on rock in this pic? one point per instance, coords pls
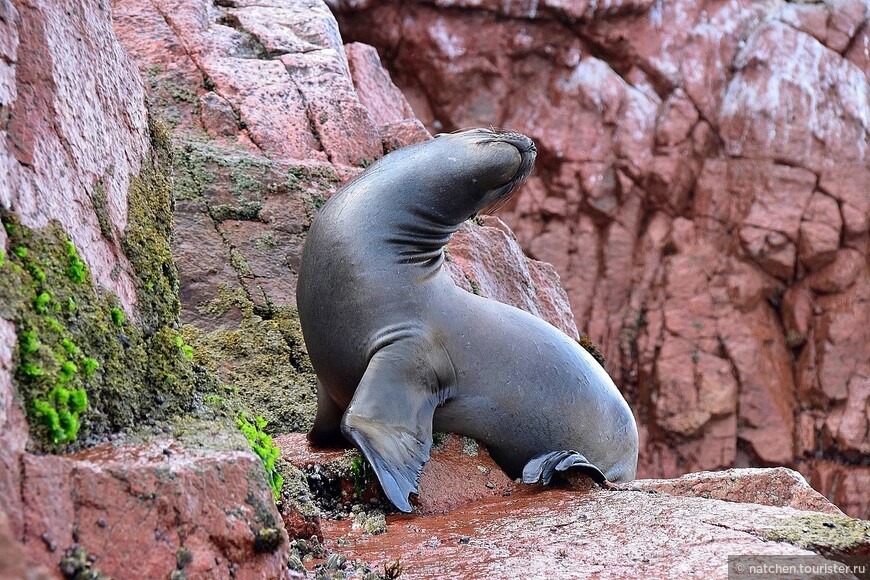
(827, 534)
(262, 362)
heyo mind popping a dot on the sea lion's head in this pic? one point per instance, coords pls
(477, 168)
(442, 182)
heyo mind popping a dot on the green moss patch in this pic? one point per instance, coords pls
(82, 366)
(199, 165)
(146, 241)
(262, 445)
(234, 183)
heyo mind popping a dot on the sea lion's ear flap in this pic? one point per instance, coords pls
(390, 418)
(544, 466)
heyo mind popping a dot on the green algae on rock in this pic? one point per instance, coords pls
(198, 164)
(267, 451)
(146, 240)
(78, 359)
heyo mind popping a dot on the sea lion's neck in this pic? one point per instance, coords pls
(419, 237)
(408, 213)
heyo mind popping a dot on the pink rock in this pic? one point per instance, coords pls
(859, 51)
(377, 93)
(13, 436)
(846, 481)
(601, 187)
(797, 305)
(553, 245)
(846, 19)
(669, 182)
(270, 105)
(690, 399)
(460, 472)
(217, 115)
(14, 561)
(271, 260)
(772, 250)
(840, 274)
(847, 182)
(753, 122)
(75, 116)
(563, 533)
(677, 119)
(811, 19)
(767, 400)
(773, 487)
(403, 133)
(490, 257)
(201, 280)
(155, 499)
(342, 124)
(820, 232)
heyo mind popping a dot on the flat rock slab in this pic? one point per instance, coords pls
(564, 533)
(471, 521)
(774, 486)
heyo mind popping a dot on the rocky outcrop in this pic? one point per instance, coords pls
(150, 510)
(701, 188)
(569, 533)
(82, 137)
(470, 520)
(776, 486)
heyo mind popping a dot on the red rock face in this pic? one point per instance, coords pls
(74, 121)
(560, 533)
(202, 511)
(66, 133)
(702, 190)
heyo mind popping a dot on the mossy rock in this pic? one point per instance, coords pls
(83, 368)
(263, 361)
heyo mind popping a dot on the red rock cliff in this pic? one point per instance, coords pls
(702, 189)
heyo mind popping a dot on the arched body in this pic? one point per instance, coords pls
(399, 349)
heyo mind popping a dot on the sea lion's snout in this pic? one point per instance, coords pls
(527, 151)
(524, 145)
(505, 160)
(491, 162)
(517, 159)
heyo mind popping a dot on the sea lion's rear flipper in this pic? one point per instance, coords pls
(390, 419)
(544, 466)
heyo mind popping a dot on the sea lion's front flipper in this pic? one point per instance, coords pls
(544, 466)
(390, 419)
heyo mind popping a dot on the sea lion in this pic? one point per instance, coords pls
(398, 348)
